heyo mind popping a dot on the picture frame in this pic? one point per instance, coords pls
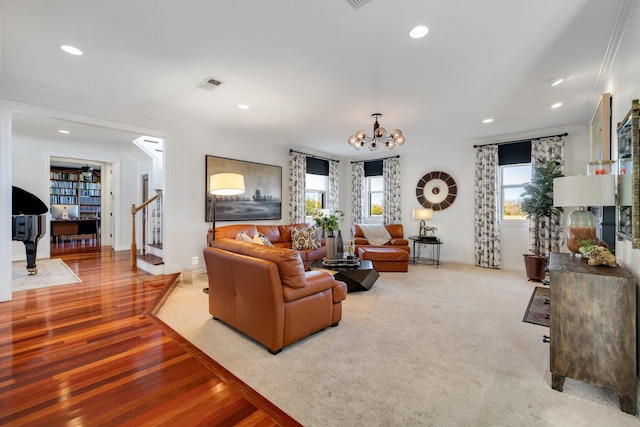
(628, 199)
(262, 199)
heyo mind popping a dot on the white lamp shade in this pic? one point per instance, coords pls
(422, 213)
(226, 184)
(584, 190)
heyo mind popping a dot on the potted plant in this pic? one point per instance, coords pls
(330, 223)
(537, 203)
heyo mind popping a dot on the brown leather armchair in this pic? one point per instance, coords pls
(265, 293)
(395, 230)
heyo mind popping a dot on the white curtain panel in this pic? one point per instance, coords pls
(297, 185)
(391, 175)
(542, 151)
(486, 212)
(333, 199)
(357, 192)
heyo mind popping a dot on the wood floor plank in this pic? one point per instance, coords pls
(93, 353)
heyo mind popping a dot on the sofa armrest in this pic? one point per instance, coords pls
(398, 241)
(317, 282)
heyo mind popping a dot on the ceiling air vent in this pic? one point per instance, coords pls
(210, 84)
(357, 3)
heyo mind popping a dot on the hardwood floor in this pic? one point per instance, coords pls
(94, 354)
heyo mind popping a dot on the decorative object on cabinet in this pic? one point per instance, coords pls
(600, 130)
(593, 327)
(263, 196)
(223, 184)
(537, 203)
(629, 176)
(436, 190)
(582, 191)
(601, 167)
(423, 214)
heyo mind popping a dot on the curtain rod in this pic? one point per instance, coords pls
(377, 160)
(522, 140)
(311, 155)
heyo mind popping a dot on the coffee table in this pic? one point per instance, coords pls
(358, 278)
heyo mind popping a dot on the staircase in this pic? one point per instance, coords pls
(150, 259)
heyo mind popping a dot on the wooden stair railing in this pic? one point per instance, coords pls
(134, 210)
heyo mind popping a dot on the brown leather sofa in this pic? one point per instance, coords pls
(265, 293)
(395, 230)
(278, 235)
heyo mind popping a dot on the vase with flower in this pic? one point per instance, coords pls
(330, 223)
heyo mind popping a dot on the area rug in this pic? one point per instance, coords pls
(51, 272)
(538, 308)
(432, 347)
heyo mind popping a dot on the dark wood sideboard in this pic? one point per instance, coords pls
(74, 227)
(593, 326)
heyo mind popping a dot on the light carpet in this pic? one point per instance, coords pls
(51, 272)
(443, 347)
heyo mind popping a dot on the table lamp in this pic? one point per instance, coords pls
(582, 191)
(223, 184)
(423, 214)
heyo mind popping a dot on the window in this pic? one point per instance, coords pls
(375, 197)
(513, 178)
(315, 193)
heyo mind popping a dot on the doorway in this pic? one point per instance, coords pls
(76, 205)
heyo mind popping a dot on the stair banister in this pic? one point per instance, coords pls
(134, 210)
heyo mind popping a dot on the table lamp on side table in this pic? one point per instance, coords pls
(422, 215)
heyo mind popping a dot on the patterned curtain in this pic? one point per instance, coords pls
(334, 186)
(297, 174)
(392, 213)
(542, 151)
(486, 225)
(357, 193)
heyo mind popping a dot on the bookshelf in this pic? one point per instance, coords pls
(71, 187)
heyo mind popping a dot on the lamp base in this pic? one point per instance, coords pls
(581, 228)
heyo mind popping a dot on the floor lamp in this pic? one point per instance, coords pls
(582, 191)
(223, 184)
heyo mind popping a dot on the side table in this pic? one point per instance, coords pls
(435, 248)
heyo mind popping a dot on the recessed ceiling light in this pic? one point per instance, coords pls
(487, 121)
(63, 131)
(418, 32)
(555, 82)
(70, 49)
(243, 107)
(556, 105)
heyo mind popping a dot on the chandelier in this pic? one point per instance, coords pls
(379, 137)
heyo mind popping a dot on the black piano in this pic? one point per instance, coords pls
(29, 223)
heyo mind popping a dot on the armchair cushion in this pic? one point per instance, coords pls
(303, 239)
(261, 239)
(243, 237)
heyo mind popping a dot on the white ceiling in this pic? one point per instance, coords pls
(313, 72)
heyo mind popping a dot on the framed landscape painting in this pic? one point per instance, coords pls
(262, 198)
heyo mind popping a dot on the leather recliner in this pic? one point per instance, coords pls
(265, 293)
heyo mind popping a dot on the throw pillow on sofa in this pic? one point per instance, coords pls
(261, 239)
(304, 239)
(243, 237)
